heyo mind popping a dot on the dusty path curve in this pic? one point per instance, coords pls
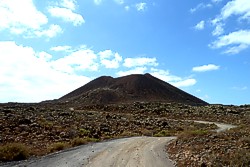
(127, 152)
(221, 126)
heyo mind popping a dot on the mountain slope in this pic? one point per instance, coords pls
(129, 88)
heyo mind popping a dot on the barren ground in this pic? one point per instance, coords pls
(45, 128)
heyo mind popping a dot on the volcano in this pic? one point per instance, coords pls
(127, 89)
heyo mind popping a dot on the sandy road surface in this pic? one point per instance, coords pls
(135, 152)
(141, 151)
(221, 126)
(127, 152)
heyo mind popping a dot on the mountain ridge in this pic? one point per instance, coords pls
(130, 88)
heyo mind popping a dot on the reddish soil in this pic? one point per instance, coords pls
(131, 88)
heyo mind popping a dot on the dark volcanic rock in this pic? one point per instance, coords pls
(145, 88)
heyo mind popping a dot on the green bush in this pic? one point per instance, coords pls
(84, 132)
(163, 133)
(88, 139)
(13, 152)
(198, 132)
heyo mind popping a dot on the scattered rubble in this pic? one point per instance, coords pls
(38, 126)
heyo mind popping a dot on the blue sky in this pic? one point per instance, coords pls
(51, 47)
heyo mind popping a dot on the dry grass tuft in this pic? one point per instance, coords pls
(78, 141)
(163, 133)
(58, 146)
(13, 152)
(192, 133)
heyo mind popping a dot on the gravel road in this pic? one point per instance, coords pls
(134, 152)
(221, 126)
(126, 152)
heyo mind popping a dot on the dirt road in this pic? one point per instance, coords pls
(127, 152)
(141, 151)
(135, 152)
(221, 126)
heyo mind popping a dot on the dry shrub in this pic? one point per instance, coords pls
(128, 133)
(163, 133)
(193, 133)
(78, 141)
(58, 146)
(13, 152)
(146, 132)
(240, 158)
(89, 139)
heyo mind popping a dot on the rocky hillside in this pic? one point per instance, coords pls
(131, 88)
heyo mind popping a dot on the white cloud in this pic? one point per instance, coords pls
(97, 2)
(24, 72)
(236, 49)
(200, 25)
(44, 56)
(80, 60)
(67, 15)
(205, 97)
(161, 74)
(218, 30)
(53, 31)
(198, 90)
(199, 7)
(120, 2)
(141, 6)
(127, 8)
(70, 4)
(240, 88)
(61, 48)
(237, 41)
(19, 20)
(164, 75)
(172, 79)
(236, 7)
(110, 59)
(24, 75)
(137, 70)
(234, 41)
(140, 61)
(204, 68)
(185, 83)
(28, 22)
